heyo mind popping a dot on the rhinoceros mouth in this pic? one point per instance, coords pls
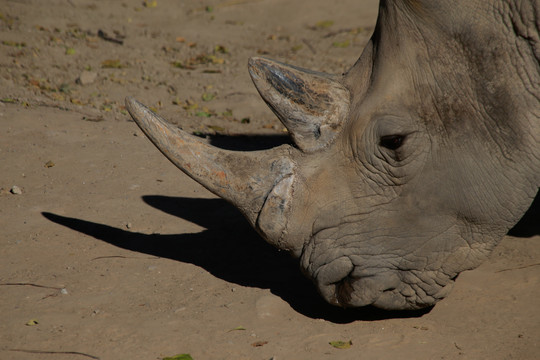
(344, 284)
(355, 292)
(340, 284)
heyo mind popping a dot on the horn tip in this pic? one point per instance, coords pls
(259, 62)
(132, 104)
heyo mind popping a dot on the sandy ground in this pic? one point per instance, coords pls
(110, 252)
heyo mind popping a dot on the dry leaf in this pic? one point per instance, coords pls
(341, 344)
(238, 328)
(259, 343)
(179, 357)
(32, 322)
(150, 3)
(208, 96)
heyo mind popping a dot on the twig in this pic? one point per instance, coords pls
(124, 257)
(309, 46)
(355, 31)
(239, 93)
(228, 3)
(30, 284)
(236, 2)
(55, 352)
(103, 35)
(518, 268)
(334, 33)
(55, 106)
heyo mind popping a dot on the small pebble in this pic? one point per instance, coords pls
(271, 307)
(64, 291)
(16, 190)
(128, 225)
(87, 77)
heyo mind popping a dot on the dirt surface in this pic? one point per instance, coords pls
(108, 251)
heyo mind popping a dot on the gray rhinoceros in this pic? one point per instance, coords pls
(406, 170)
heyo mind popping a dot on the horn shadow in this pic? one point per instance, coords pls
(248, 142)
(230, 250)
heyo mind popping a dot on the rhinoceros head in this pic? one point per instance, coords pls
(407, 169)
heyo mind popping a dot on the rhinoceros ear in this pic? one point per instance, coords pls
(312, 106)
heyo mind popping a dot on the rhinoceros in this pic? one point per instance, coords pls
(402, 172)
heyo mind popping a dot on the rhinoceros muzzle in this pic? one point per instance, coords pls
(344, 284)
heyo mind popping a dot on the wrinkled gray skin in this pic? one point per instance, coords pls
(408, 169)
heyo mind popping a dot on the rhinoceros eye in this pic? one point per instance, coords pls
(392, 142)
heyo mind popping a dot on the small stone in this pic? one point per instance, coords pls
(49, 164)
(128, 225)
(271, 307)
(64, 291)
(15, 190)
(87, 77)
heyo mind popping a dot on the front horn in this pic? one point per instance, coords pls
(258, 183)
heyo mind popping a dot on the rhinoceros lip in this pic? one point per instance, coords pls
(343, 283)
(346, 285)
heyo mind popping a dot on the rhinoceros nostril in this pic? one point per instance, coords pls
(344, 289)
(361, 291)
